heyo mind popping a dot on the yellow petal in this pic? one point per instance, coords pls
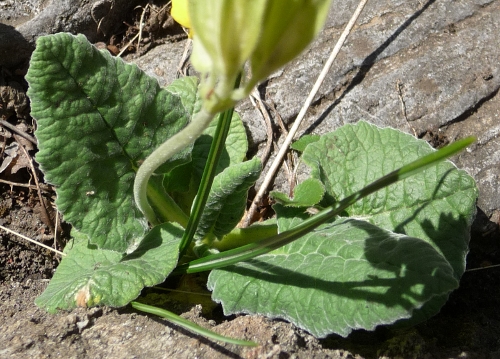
(180, 12)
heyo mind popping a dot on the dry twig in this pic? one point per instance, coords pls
(32, 240)
(18, 131)
(43, 187)
(39, 191)
(281, 154)
(257, 102)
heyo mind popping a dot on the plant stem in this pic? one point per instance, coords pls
(241, 236)
(166, 208)
(186, 324)
(258, 248)
(216, 148)
(162, 154)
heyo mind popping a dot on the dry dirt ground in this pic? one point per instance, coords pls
(468, 326)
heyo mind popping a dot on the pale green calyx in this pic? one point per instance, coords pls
(226, 34)
(288, 26)
(264, 33)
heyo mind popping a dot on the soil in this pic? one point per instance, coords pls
(468, 326)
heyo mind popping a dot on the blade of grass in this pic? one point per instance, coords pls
(186, 324)
(264, 246)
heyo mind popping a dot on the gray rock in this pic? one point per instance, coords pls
(442, 56)
(92, 18)
(162, 62)
(95, 19)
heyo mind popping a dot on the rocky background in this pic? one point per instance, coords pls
(429, 68)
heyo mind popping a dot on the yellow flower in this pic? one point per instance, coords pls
(180, 14)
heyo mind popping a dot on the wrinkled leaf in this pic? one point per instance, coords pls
(343, 276)
(437, 205)
(88, 276)
(98, 118)
(400, 255)
(187, 90)
(226, 202)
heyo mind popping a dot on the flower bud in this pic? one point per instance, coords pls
(227, 32)
(288, 27)
(266, 33)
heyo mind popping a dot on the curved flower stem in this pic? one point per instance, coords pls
(162, 154)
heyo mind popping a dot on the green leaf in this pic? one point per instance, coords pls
(399, 257)
(301, 144)
(226, 202)
(306, 194)
(437, 205)
(88, 276)
(98, 118)
(346, 275)
(187, 90)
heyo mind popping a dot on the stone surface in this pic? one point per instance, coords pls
(35, 18)
(106, 333)
(443, 56)
(162, 62)
(92, 18)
